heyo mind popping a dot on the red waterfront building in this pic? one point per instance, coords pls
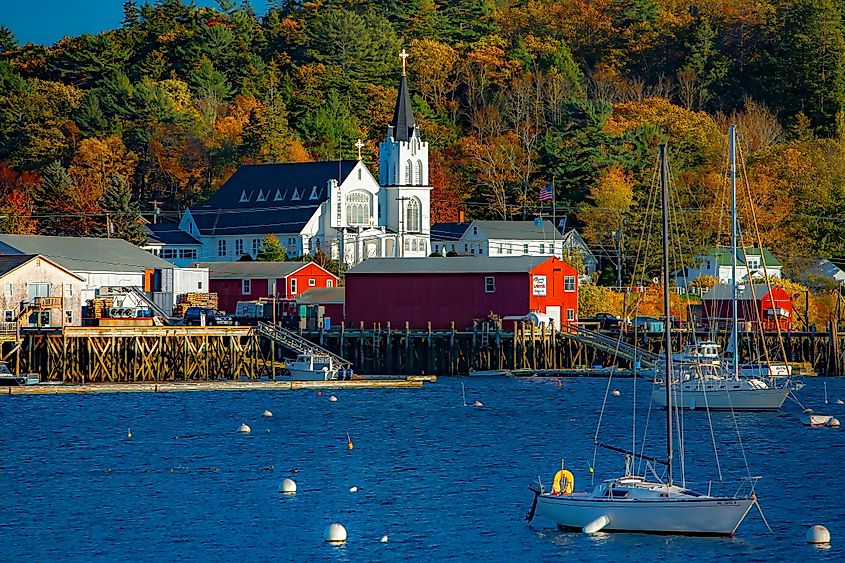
(459, 289)
(755, 305)
(249, 281)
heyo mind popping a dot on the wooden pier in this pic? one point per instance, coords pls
(92, 355)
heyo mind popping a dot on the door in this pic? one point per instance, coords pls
(554, 313)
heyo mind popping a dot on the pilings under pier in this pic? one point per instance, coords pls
(157, 354)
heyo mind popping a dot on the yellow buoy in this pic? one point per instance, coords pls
(129, 433)
(349, 445)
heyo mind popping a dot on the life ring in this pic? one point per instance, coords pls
(566, 486)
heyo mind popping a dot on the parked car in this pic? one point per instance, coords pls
(604, 321)
(647, 324)
(213, 317)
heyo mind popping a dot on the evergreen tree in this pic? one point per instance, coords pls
(56, 188)
(8, 41)
(331, 130)
(122, 213)
(272, 250)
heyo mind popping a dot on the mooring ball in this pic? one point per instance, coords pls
(333, 399)
(288, 487)
(818, 534)
(335, 533)
(244, 429)
(833, 422)
(267, 414)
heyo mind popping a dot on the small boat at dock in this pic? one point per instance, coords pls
(9, 379)
(317, 367)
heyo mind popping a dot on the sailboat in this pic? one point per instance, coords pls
(633, 503)
(701, 380)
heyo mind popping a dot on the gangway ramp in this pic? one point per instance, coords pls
(611, 345)
(298, 344)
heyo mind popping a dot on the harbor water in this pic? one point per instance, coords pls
(443, 481)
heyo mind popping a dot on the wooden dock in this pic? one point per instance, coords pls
(411, 382)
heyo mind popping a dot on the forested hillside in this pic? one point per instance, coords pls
(511, 96)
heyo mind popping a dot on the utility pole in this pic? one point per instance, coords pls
(401, 203)
(273, 340)
(619, 256)
(155, 204)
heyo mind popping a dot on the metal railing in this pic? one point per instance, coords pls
(610, 344)
(297, 343)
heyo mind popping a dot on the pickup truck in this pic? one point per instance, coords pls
(602, 321)
(213, 317)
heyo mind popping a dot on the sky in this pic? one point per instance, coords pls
(47, 21)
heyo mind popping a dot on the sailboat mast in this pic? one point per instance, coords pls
(667, 326)
(734, 284)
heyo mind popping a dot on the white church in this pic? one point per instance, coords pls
(335, 206)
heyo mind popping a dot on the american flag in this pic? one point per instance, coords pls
(547, 192)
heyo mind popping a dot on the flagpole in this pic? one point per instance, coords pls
(554, 215)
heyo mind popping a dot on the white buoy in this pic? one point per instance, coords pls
(335, 533)
(596, 525)
(833, 422)
(616, 393)
(840, 402)
(384, 539)
(288, 487)
(353, 489)
(244, 429)
(267, 414)
(333, 399)
(818, 534)
(478, 404)
(808, 411)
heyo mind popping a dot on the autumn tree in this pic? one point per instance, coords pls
(272, 250)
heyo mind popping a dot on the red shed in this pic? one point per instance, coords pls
(755, 305)
(248, 281)
(460, 289)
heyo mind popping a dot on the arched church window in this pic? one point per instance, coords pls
(419, 173)
(408, 173)
(413, 215)
(358, 209)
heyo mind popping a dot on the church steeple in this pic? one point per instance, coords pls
(403, 114)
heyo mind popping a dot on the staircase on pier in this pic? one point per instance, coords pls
(611, 345)
(299, 344)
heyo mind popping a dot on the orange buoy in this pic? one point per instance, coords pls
(319, 393)
(349, 445)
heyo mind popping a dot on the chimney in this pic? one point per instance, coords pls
(461, 216)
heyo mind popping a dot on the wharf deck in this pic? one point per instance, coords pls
(411, 382)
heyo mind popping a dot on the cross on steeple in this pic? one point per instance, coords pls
(403, 55)
(359, 145)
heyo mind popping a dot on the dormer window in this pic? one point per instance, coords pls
(296, 196)
(278, 196)
(314, 193)
(244, 197)
(261, 196)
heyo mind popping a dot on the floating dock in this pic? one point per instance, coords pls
(411, 382)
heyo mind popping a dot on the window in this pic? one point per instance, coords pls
(466, 248)
(489, 284)
(221, 248)
(359, 173)
(542, 248)
(189, 253)
(69, 317)
(246, 286)
(475, 230)
(569, 283)
(239, 247)
(199, 285)
(419, 172)
(472, 251)
(169, 253)
(68, 290)
(408, 174)
(570, 314)
(329, 283)
(412, 215)
(293, 286)
(436, 248)
(312, 282)
(481, 251)
(358, 208)
(510, 249)
(8, 290)
(8, 316)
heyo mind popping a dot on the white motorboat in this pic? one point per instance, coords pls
(9, 379)
(316, 367)
(632, 503)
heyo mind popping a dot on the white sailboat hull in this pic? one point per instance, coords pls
(770, 399)
(708, 516)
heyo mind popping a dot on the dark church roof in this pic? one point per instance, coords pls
(168, 233)
(269, 198)
(403, 114)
